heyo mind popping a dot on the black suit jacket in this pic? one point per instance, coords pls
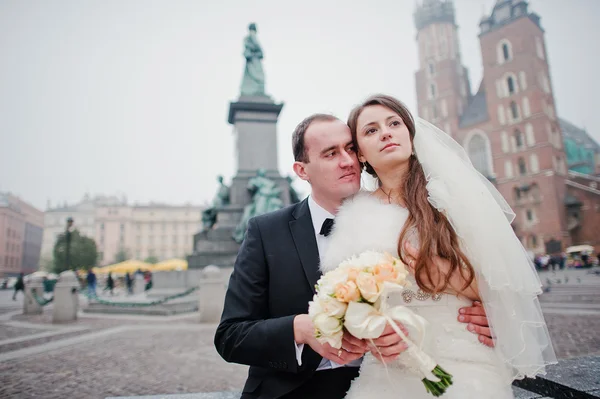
(272, 281)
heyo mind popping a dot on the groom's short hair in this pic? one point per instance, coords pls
(298, 145)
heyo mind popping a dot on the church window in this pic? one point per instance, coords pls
(511, 85)
(519, 139)
(431, 68)
(478, 148)
(506, 52)
(522, 167)
(432, 91)
(514, 111)
(503, 51)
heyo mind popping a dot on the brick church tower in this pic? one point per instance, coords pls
(509, 127)
(443, 89)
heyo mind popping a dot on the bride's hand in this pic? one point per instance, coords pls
(389, 345)
(354, 345)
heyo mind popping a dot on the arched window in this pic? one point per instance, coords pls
(432, 90)
(514, 110)
(504, 51)
(479, 150)
(516, 193)
(431, 68)
(522, 167)
(510, 83)
(519, 140)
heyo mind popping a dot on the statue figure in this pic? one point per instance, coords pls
(294, 197)
(265, 198)
(253, 83)
(209, 215)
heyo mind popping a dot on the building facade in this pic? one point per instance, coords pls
(21, 230)
(84, 219)
(509, 127)
(124, 231)
(142, 231)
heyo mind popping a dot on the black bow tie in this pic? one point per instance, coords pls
(326, 227)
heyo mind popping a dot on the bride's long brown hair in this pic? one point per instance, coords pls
(435, 233)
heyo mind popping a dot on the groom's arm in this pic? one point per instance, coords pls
(247, 334)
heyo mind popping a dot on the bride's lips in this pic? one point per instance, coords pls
(389, 146)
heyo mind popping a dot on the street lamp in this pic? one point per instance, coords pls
(68, 237)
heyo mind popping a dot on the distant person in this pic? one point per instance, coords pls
(110, 283)
(537, 261)
(91, 283)
(563, 260)
(148, 280)
(129, 283)
(19, 286)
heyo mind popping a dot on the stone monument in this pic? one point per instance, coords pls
(66, 298)
(257, 185)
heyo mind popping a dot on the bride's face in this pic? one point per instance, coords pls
(383, 138)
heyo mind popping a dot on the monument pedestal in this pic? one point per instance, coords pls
(255, 128)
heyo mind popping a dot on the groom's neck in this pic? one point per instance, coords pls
(331, 205)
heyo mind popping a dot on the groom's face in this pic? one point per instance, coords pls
(332, 168)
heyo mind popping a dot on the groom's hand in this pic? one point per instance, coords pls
(304, 333)
(389, 345)
(477, 322)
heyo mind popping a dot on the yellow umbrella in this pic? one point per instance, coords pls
(169, 265)
(129, 266)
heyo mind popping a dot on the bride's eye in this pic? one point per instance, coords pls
(396, 123)
(372, 130)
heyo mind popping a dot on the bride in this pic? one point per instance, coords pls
(451, 227)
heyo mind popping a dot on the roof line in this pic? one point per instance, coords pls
(584, 176)
(582, 187)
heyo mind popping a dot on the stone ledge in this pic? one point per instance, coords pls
(570, 378)
(204, 395)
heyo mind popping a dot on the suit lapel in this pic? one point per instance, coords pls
(306, 242)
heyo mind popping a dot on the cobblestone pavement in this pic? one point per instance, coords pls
(128, 355)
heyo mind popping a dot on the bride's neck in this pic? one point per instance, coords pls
(391, 186)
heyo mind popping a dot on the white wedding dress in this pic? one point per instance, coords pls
(365, 223)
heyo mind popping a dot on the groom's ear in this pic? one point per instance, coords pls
(300, 171)
(361, 158)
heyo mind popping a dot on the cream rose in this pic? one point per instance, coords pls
(327, 284)
(333, 307)
(368, 286)
(347, 292)
(330, 329)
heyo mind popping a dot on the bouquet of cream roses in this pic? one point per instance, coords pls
(354, 296)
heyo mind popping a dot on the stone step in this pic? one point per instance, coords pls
(185, 305)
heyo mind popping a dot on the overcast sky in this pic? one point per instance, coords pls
(130, 97)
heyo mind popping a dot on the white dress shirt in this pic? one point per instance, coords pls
(318, 215)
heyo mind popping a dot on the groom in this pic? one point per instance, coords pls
(264, 322)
